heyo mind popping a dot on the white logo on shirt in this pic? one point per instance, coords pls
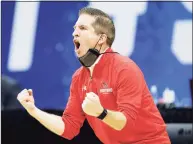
(84, 88)
(106, 90)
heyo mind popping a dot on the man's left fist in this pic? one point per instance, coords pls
(91, 105)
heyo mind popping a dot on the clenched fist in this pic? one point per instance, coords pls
(91, 105)
(25, 97)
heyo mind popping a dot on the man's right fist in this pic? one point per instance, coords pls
(25, 97)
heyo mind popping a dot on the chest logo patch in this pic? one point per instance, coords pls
(105, 88)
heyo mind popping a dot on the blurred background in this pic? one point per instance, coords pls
(37, 52)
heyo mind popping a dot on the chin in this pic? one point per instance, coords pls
(79, 54)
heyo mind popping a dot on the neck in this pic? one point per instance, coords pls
(92, 67)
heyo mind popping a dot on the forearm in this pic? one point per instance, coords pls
(52, 122)
(115, 119)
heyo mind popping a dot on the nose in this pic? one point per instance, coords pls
(75, 32)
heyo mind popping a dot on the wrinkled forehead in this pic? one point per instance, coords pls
(85, 20)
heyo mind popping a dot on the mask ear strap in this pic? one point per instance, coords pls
(97, 42)
(100, 49)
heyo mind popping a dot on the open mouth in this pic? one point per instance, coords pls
(77, 44)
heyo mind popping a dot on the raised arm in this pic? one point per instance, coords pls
(68, 125)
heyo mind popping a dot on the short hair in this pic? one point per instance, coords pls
(103, 23)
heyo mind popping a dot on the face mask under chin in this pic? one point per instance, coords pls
(89, 58)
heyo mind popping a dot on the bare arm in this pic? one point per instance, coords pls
(115, 119)
(129, 95)
(68, 125)
(52, 122)
(92, 106)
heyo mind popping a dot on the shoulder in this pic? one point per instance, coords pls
(127, 71)
(77, 74)
(125, 63)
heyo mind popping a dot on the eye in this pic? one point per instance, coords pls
(82, 28)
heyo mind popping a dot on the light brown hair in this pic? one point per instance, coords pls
(103, 23)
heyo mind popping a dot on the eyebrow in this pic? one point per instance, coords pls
(80, 26)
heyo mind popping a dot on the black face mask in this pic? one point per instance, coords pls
(90, 57)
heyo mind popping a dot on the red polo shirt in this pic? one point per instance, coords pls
(120, 85)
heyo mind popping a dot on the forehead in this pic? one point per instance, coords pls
(85, 19)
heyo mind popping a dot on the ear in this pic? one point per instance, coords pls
(103, 39)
